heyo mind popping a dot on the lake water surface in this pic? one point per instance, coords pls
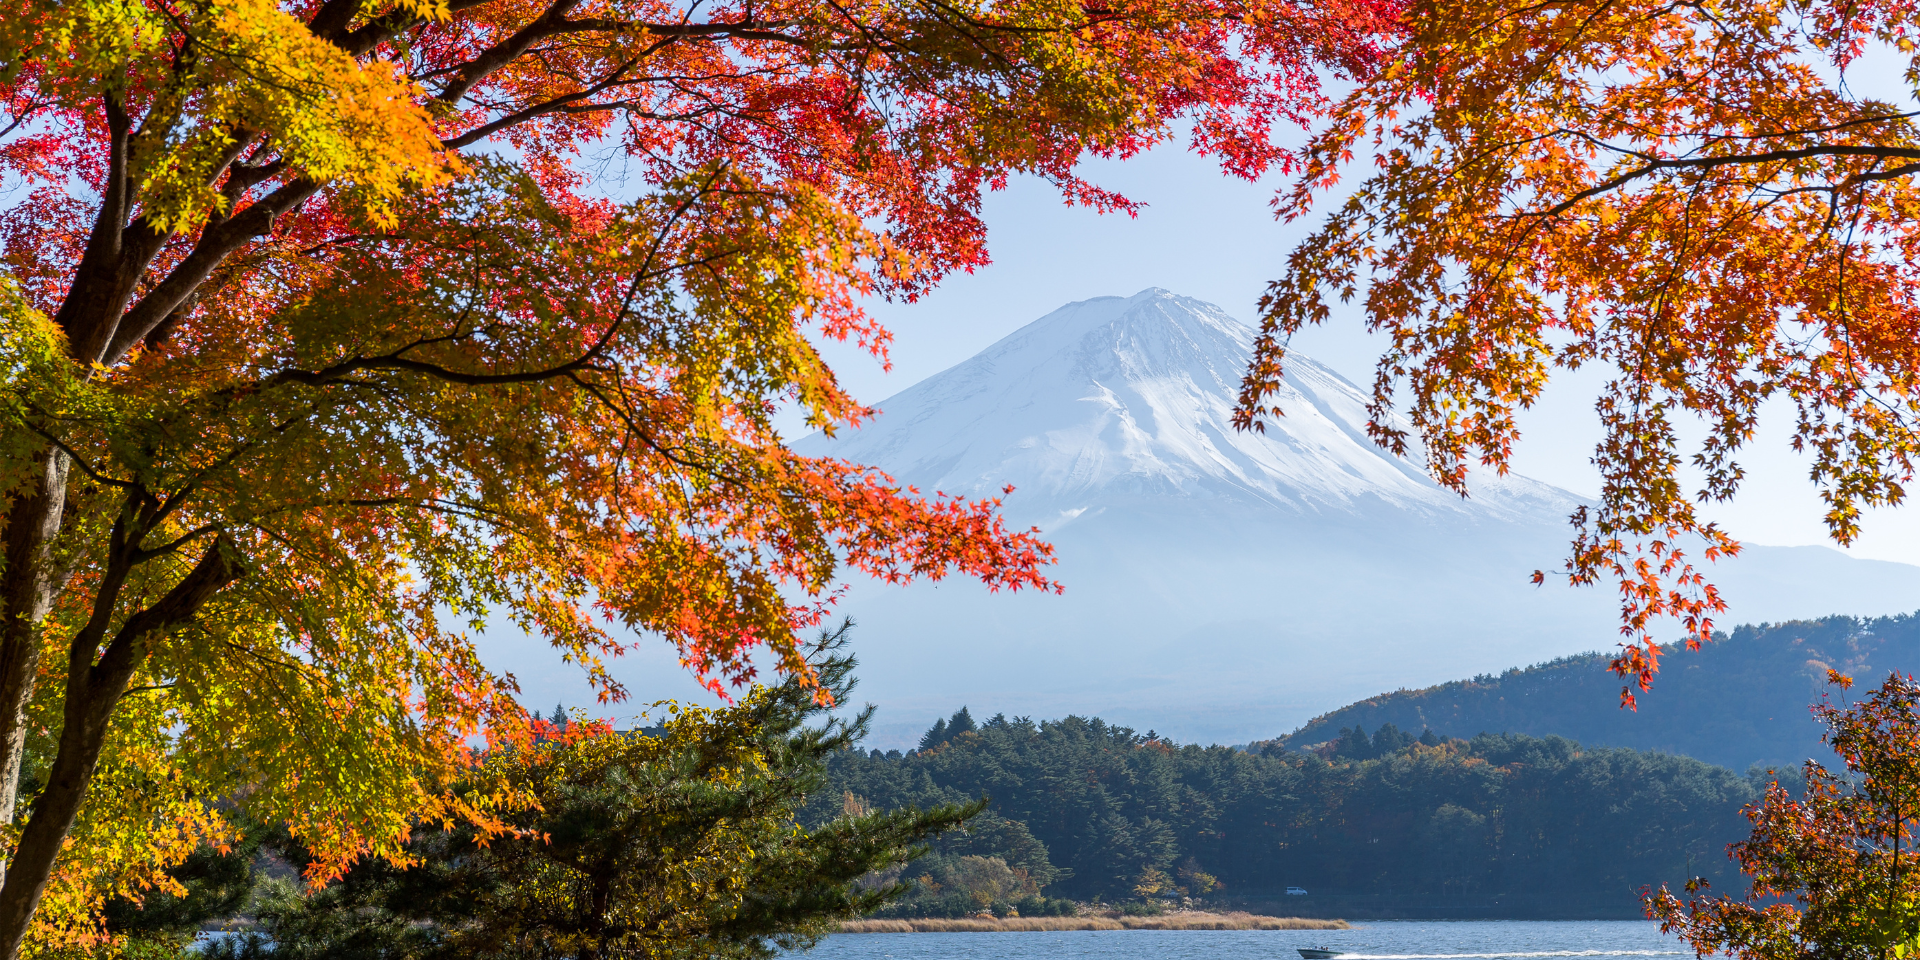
(1368, 940)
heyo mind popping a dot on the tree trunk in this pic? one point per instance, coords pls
(53, 815)
(94, 689)
(120, 251)
(602, 894)
(30, 585)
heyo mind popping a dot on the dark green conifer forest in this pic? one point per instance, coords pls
(1387, 821)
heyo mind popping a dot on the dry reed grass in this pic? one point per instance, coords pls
(1178, 920)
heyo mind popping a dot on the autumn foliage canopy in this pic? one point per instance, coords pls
(1715, 203)
(322, 347)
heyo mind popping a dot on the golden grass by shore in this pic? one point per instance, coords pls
(1176, 920)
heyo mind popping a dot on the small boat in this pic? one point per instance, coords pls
(1317, 953)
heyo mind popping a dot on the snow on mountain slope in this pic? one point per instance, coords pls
(1223, 585)
(1136, 395)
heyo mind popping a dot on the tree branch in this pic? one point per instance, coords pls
(550, 22)
(330, 22)
(216, 243)
(394, 361)
(79, 313)
(1727, 160)
(217, 568)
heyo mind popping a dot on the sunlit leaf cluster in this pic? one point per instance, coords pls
(1832, 864)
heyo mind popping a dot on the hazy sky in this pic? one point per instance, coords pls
(1213, 237)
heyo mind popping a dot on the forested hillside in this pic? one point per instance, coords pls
(1083, 809)
(1736, 702)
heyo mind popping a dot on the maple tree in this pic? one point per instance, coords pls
(1843, 851)
(321, 348)
(1693, 196)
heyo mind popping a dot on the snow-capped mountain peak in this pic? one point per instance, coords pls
(1134, 396)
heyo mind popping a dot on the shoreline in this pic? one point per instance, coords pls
(1174, 920)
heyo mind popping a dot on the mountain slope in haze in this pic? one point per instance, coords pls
(1740, 701)
(1220, 584)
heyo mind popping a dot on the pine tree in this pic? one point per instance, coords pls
(935, 735)
(962, 722)
(1353, 744)
(678, 844)
(1389, 740)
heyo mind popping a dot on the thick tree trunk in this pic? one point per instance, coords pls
(30, 585)
(103, 319)
(53, 815)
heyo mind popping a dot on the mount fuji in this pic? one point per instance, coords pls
(1225, 585)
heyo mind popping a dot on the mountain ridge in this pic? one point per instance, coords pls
(1739, 701)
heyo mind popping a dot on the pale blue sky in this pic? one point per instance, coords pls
(1213, 237)
(1208, 236)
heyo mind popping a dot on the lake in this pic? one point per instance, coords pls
(1368, 940)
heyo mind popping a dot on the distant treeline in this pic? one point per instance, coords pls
(1740, 701)
(1085, 810)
